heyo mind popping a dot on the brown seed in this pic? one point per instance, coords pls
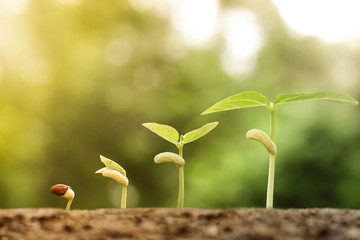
(59, 189)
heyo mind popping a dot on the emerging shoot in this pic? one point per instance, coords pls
(171, 134)
(65, 192)
(116, 172)
(254, 99)
(270, 146)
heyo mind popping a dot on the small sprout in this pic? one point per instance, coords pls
(65, 192)
(171, 134)
(262, 137)
(169, 157)
(116, 172)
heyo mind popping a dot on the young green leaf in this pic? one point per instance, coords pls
(198, 133)
(240, 100)
(331, 96)
(110, 164)
(168, 133)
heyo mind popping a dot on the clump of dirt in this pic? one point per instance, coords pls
(188, 223)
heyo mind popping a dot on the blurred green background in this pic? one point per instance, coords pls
(79, 77)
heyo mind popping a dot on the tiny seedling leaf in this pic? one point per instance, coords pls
(240, 100)
(198, 133)
(331, 96)
(110, 164)
(168, 133)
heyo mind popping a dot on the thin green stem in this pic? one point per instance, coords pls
(270, 187)
(181, 182)
(272, 124)
(271, 174)
(123, 196)
(68, 205)
(181, 188)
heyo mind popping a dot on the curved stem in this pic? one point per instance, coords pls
(123, 196)
(181, 182)
(270, 187)
(68, 205)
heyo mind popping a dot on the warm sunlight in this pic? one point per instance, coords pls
(332, 21)
(243, 40)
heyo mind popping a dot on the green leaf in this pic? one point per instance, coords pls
(240, 100)
(168, 133)
(198, 133)
(331, 96)
(110, 164)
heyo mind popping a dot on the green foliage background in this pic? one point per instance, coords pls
(54, 132)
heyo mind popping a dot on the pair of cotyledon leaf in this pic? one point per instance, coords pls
(110, 165)
(253, 99)
(171, 134)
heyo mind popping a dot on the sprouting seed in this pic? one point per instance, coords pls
(116, 172)
(65, 192)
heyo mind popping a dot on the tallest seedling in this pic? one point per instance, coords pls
(254, 99)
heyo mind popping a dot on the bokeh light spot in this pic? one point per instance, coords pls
(332, 21)
(35, 71)
(196, 20)
(243, 40)
(118, 52)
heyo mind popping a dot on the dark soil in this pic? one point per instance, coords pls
(161, 224)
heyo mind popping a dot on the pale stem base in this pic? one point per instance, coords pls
(270, 187)
(123, 196)
(181, 188)
(68, 205)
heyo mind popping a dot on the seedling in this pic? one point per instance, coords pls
(65, 192)
(253, 99)
(171, 134)
(116, 172)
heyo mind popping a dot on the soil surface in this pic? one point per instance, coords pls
(188, 223)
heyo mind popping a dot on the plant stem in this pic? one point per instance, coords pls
(272, 124)
(181, 182)
(270, 187)
(68, 205)
(123, 196)
(271, 174)
(181, 188)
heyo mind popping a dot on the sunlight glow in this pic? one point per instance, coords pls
(330, 20)
(12, 7)
(6, 33)
(243, 40)
(196, 20)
